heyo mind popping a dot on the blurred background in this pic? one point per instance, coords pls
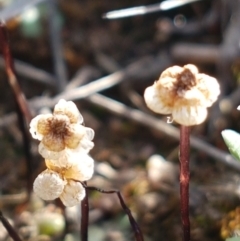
(66, 49)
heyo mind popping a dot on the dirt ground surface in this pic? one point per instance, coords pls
(69, 45)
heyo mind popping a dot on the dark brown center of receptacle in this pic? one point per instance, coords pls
(186, 80)
(58, 127)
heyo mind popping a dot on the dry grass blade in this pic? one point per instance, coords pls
(135, 69)
(56, 45)
(31, 72)
(154, 123)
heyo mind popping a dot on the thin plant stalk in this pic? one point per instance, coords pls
(12, 79)
(184, 180)
(23, 111)
(11, 231)
(84, 216)
(137, 231)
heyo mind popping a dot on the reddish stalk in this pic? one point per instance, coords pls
(12, 79)
(184, 180)
(84, 216)
(23, 111)
(137, 231)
